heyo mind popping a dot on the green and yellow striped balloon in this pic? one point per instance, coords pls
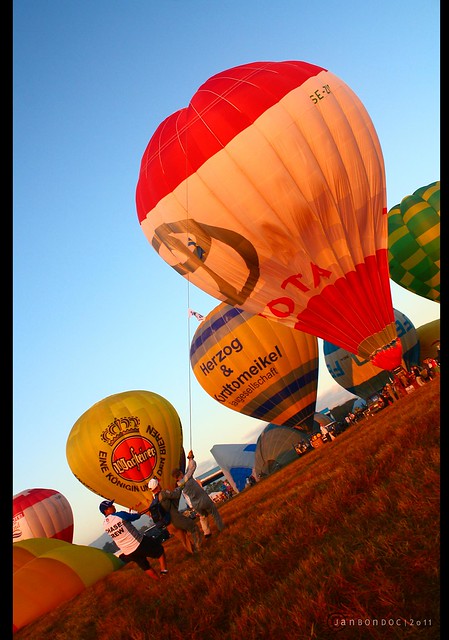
(414, 242)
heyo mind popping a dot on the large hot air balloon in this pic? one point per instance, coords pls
(124, 440)
(268, 193)
(48, 572)
(414, 242)
(257, 367)
(361, 377)
(236, 461)
(41, 513)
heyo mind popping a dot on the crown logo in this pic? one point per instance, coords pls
(118, 428)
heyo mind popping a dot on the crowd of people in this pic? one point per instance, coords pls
(405, 381)
(164, 508)
(402, 382)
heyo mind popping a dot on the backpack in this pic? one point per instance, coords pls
(158, 514)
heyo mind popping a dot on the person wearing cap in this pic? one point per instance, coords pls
(134, 545)
(197, 497)
(179, 525)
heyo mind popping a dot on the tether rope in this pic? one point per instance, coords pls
(189, 340)
(189, 383)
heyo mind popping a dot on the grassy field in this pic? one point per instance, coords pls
(342, 543)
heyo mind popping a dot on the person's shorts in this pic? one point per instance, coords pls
(148, 548)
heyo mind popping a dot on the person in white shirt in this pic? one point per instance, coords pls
(133, 544)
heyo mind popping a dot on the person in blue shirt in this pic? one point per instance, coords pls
(134, 545)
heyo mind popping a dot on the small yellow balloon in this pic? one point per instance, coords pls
(123, 441)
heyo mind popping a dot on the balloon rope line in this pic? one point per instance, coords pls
(188, 309)
(188, 362)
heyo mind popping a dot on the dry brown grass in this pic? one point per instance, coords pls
(345, 536)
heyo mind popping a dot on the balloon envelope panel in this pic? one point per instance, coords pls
(414, 242)
(39, 513)
(257, 367)
(121, 442)
(268, 192)
(55, 572)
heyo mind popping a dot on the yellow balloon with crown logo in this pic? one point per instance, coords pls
(123, 441)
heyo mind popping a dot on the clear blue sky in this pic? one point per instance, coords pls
(96, 311)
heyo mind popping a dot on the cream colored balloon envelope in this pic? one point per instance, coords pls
(260, 368)
(268, 192)
(123, 441)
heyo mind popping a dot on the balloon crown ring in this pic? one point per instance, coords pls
(120, 427)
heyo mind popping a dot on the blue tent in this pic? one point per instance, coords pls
(236, 462)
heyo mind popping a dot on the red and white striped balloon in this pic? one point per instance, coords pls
(268, 192)
(41, 513)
